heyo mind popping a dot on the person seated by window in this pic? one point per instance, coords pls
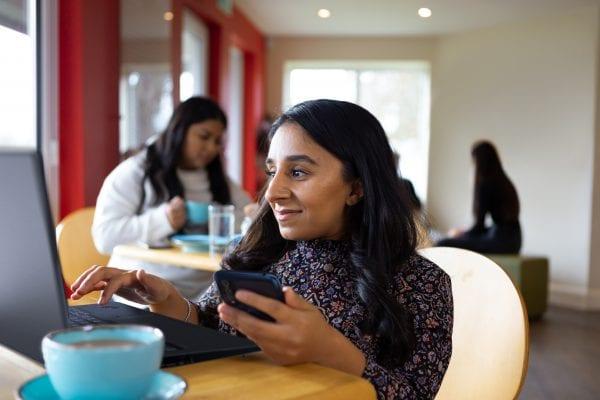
(422, 220)
(410, 189)
(143, 198)
(336, 229)
(262, 148)
(494, 194)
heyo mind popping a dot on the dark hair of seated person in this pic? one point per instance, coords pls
(490, 174)
(164, 154)
(380, 228)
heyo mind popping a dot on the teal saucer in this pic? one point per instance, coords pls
(165, 386)
(191, 243)
(199, 243)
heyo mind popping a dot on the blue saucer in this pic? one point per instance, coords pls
(165, 386)
(191, 243)
(199, 243)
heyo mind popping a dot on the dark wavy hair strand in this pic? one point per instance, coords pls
(489, 172)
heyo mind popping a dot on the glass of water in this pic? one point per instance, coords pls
(221, 222)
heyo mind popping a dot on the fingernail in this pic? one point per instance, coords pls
(223, 308)
(225, 311)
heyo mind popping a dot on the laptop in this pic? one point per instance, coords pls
(32, 300)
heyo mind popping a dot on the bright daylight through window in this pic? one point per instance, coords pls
(17, 75)
(397, 93)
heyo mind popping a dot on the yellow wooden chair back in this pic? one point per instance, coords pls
(490, 337)
(76, 248)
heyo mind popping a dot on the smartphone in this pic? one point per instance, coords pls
(264, 284)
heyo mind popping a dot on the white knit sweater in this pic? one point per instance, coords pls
(116, 222)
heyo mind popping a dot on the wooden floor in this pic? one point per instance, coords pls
(564, 358)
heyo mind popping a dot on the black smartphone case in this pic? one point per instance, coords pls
(264, 284)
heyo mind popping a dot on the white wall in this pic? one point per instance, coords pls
(593, 297)
(530, 88)
(145, 51)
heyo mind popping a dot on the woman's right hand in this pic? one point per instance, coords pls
(136, 285)
(176, 213)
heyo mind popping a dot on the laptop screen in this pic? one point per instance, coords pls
(31, 295)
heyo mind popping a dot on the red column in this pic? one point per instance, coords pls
(89, 98)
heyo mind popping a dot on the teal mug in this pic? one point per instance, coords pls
(197, 212)
(103, 361)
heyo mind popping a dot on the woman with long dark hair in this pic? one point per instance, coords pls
(493, 194)
(143, 199)
(336, 228)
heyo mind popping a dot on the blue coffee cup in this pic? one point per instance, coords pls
(197, 212)
(103, 361)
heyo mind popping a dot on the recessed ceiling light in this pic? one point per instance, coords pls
(324, 13)
(424, 12)
(168, 16)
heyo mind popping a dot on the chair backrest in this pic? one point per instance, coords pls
(75, 245)
(490, 337)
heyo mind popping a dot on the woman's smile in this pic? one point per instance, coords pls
(286, 214)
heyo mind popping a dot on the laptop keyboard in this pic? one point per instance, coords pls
(78, 317)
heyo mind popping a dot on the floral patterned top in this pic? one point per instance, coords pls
(318, 271)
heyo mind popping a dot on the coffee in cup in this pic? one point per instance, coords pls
(103, 361)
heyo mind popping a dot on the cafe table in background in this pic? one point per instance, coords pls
(171, 256)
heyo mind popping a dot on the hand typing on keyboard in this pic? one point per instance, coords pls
(137, 286)
(134, 285)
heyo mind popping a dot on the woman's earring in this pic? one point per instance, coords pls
(353, 199)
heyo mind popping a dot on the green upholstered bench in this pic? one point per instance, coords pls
(530, 275)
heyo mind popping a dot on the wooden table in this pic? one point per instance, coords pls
(172, 256)
(249, 376)
(252, 376)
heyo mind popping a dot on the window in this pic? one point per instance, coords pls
(146, 84)
(194, 56)
(397, 93)
(235, 126)
(145, 102)
(29, 81)
(18, 74)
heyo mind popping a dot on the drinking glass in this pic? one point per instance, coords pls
(221, 222)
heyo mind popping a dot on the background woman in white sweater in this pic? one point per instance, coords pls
(142, 199)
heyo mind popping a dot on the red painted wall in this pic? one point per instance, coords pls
(89, 98)
(226, 31)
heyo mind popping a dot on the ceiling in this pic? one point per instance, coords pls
(393, 17)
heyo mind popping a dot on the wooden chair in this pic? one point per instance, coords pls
(76, 248)
(490, 337)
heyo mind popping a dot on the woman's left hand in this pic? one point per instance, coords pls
(300, 333)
